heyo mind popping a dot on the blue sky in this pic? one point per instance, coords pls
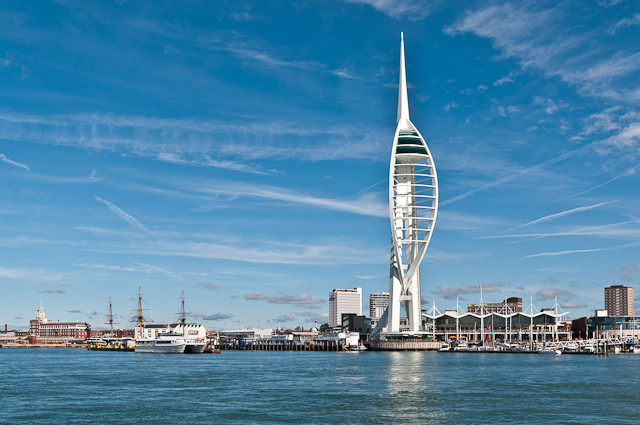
(241, 150)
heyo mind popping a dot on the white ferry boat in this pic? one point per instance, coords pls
(164, 343)
(194, 345)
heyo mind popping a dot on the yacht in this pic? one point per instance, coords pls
(550, 351)
(164, 343)
(358, 348)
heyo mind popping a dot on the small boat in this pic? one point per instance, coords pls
(358, 348)
(550, 351)
(445, 347)
(462, 346)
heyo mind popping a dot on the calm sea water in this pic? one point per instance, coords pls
(74, 386)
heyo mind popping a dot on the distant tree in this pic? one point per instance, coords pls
(298, 328)
(289, 330)
(324, 327)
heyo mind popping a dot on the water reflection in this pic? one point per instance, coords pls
(409, 388)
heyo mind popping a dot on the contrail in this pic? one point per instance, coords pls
(627, 173)
(123, 215)
(518, 174)
(374, 185)
(562, 214)
(575, 251)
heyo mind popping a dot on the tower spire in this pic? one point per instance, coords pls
(403, 100)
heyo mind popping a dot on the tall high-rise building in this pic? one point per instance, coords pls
(618, 300)
(413, 208)
(343, 301)
(378, 303)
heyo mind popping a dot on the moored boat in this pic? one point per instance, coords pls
(164, 343)
(358, 348)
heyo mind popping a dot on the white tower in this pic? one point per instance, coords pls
(413, 207)
(40, 315)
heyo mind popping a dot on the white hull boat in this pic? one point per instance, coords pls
(165, 343)
(548, 351)
(194, 346)
(359, 348)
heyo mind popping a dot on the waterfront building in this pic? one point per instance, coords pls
(45, 331)
(546, 325)
(355, 323)
(509, 305)
(623, 327)
(378, 303)
(413, 207)
(344, 301)
(245, 334)
(9, 338)
(618, 300)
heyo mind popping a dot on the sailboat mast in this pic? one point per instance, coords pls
(481, 317)
(110, 315)
(140, 308)
(183, 318)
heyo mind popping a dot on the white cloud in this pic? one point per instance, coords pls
(542, 39)
(413, 10)
(288, 317)
(626, 22)
(550, 293)
(369, 204)
(3, 158)
(300, 300)
(315, 317)
(450, 106)
(505, 79)
(196, 142)
(218, 316)
(123, 215)
(450, 293)
(573, 305)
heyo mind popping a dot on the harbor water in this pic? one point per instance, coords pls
(75, 386)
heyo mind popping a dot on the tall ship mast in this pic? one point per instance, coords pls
(183, 319)
(140, 318)
(195, 336)
(111, 322)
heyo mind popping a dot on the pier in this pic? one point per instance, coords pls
(267, 345)
(405, 345)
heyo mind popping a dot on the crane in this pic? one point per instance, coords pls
(272, 328)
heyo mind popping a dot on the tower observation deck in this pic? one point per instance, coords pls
(413, 208)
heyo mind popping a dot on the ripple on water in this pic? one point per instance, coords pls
(79, 387)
